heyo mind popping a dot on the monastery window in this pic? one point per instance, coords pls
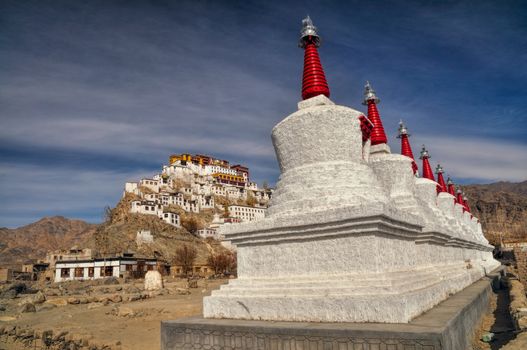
(79, 272)
(64, 273)
(107, 271)
(149, 267)
(91, 271)
(129, 267)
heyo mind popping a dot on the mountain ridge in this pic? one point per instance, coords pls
(501, 208)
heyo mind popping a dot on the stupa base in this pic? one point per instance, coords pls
(447, 326)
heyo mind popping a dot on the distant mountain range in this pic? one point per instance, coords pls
(501, 208)
(33, 241)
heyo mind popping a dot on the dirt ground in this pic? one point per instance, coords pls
(130, 325)
(126, 325)
(497, 321)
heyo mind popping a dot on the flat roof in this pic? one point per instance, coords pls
(125, 258)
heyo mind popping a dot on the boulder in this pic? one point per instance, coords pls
(73, 301)
(53, 292)
(60, 336)
(125, 312)
(182, 291)
(8, 294)
(28, 307)
(95, 305)
(57, 302)
(103, 299)
(134, 297)
(132, 289)
(116, 298)
(38, 298)
(153, 281)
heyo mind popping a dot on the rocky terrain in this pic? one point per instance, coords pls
(104, 314)
(501, 208)
(33, 241)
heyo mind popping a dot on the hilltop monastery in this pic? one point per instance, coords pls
(194, 183)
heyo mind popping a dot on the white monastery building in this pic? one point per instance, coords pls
(246, 213)
(193, 183)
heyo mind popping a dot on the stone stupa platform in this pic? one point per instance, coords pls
(447, 326)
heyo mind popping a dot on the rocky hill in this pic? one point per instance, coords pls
(118, 234)
(32, 241)
(501, 208)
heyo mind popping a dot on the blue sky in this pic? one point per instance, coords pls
(97, 93)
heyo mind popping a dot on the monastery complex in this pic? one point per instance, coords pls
(195, 183)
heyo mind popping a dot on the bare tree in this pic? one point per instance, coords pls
(222, 262)
(185, 256)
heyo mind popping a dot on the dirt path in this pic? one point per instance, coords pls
(498, 321)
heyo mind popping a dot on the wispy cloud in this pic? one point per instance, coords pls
(476, 158)
(30, 192)
(109, 91)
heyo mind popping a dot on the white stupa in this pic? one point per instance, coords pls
(351, 235)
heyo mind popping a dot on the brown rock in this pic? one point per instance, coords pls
(73, 300)
(125, 312)
(53, 292)
(116, 298)
(28, 307)
(38, 298)
(57, 301)
(60, 336)
(182, 291)
(95, 305)
(134, 297)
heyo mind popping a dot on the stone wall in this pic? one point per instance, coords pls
(520, 256)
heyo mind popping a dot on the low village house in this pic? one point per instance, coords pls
(122, 266)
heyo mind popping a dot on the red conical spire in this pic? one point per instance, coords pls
(427, 170)
(451, 188)
(442, 185)
(313, 81)
(465, 200)
(378, 136)
(406, 149)
(460, 199)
